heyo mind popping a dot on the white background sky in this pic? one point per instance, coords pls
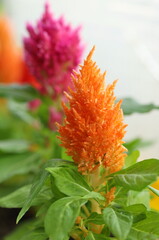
(126, 35)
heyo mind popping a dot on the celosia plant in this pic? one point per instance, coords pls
(52, 49)
(96, 190)
(99, 194)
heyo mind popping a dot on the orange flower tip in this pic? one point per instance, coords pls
(118, 104)
(120, 101)
(90, 54)
(104, 74)
(115, 82)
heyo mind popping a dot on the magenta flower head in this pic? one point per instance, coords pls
(52, 50)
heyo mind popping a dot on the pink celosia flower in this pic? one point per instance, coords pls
(54, 116)
(52, 50)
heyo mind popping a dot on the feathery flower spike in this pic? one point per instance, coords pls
(52, 50)
(93, 128)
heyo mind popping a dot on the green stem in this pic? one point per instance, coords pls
(86, 210)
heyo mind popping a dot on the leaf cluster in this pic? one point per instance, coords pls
(68, 206)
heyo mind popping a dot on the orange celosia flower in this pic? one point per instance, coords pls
(93, 129)
(10, 56)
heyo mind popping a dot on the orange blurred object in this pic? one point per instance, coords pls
(10, 54)
(154, 202)
(12, 66)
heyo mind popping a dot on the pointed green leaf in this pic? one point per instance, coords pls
(119, 222)
(61, 216)
(69, 181)
(38, 184)
(129, 106)
(137, 176)
(17, 198)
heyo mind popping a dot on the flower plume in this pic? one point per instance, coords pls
(52, 50)
(93, 128)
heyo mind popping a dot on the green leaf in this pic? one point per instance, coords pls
(137, 176)
(95, 218)
(61, 216)
(38, 184)
(130, 106)
(18, 164)
(132, 158)
(14, 146)
(119, 222)
(135, 197)
(17, 92)
(69, 181)
(139, 235)
(56, 192)
(150, 224)
(17, 198)
(154, 190)
(44, 207)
